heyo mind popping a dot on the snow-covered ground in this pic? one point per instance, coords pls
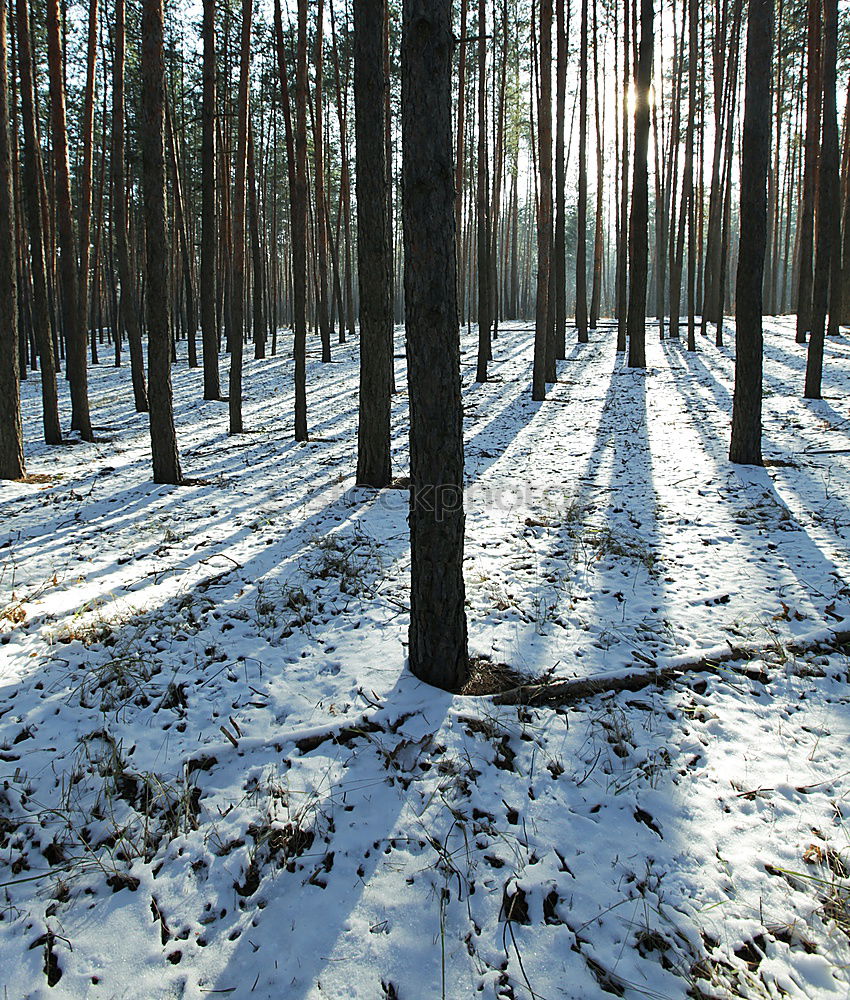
(219, 779)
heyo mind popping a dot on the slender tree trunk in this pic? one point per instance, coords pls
(623, 244)
(209, 325)
(130, 313)
(559, 256)
(828, 217)
(87, 140)
(185, 248)
(237, 292)
(814, 92)
(596, 292)
(299, 227)
(639, 223)
(689, 182)
(166, 463)
(31, 178)
(483, 204)
(581, 214)
(460, 136)
(75, 340)
(258, 322)
(319, 181)
(11, 434)
(542, 347)
(374, 256)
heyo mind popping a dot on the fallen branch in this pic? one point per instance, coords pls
(563, 692)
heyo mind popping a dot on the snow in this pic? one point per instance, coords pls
(218, 777)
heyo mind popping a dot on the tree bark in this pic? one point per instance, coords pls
(639, 223)
(237, 293)
(209, 326)
(11, 434)
(581, 212)
(438, 637)
(87, 140)
(814, 90)
(129, 302)
(166, 462)
(482, 204)
(75, 340)
(31, 178)
(374, 255)
(745, 446)
(542, 346)
(828, 211)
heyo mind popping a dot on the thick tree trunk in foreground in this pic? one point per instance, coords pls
(374, 256)
(75, 341)
(639, 224)
(31, 178)
(11, 437)
(438, 650)
(166, 463)
(745, 447)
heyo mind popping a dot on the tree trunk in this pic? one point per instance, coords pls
(828, 212)
(559, 254)
(374, 256)
(31, 178)
(258, 323)
(623, 244)
(482, 204)
(129, 302)
(209, 326)
(87, 140)
(814, 92)
(11, 434)
(319, 181)
(299, 228)
(542, 347)
(438, 638)
(237, 291)
(639, 223)
(75, 340)
(745, 446)
(581, 212)
(166, 463)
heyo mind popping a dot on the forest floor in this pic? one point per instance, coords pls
(218, 778)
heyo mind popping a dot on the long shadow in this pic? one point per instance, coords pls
(603, 556)
(758, 520)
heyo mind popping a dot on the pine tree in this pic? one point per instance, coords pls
(745, 446)
(438, 650)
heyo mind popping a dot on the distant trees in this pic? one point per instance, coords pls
(438, 639)
(745, 446)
